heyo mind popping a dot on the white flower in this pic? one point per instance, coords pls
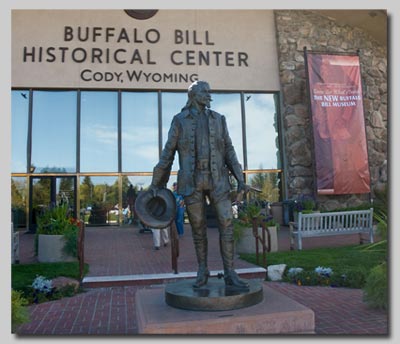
(41, 284)
(294, 271)
(322, 271)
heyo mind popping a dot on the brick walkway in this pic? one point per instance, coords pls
(111, 311)
(124, 251)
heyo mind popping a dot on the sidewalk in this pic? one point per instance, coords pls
(123, 251)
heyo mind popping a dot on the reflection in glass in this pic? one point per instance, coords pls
(99, 200)
(52, 191)
(18, 201)
(140, 183)
(19, 129)
(99, 132)
(143, 182)
(172, 103)
(261, 131)
(65, 192)
(268, 183)
(139, 131)
(41, 197)
(54, 131)
(229, 106)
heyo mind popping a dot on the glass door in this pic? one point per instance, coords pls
(50, 191)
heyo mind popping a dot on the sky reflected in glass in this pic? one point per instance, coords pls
(54, 131)
(19, 129)
(172, 104)
(229, 105)
(139, 131)
(99, 132)
(261, 131)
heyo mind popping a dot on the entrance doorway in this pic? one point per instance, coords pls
(50, 191)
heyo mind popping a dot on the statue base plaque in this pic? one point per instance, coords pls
(214, 296)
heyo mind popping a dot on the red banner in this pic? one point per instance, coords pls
(338, 123)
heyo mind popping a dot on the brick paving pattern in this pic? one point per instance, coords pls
(111, 311)
(124, 251)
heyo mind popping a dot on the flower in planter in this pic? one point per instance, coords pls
(42, 288)
(271, 222)
(57, 221)
(305, 203)
(322, 271)
(42, 285)
(244, 219)
(292, 272)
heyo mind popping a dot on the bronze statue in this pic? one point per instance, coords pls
(206, 155)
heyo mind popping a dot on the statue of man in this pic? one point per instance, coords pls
(206, 155)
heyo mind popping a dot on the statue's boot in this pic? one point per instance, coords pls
(230, 276)
(203, 273)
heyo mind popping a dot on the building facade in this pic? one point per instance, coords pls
(94, 92)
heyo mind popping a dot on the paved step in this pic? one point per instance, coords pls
(149, 279)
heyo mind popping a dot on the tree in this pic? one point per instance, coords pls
(41, 193)
(268, 184)
(86, 192)
(17, 194)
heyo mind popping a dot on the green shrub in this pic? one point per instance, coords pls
(19, 311)
(350, 278)
(245, 219)
(57, 221)
(376, 288)
(71, 238)
(381, 218)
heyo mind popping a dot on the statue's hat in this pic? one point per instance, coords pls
(156, 211)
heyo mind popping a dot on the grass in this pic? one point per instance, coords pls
(24, 274)
(355, 259)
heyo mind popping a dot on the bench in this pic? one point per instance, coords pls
(331, 223)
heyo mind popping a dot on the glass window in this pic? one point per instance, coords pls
(18, 201)
(99, 132)
(99, 200)
(139, 131)
(172, 103)
(261, 132)
(229, 106)
(41, 197)
(140, 183)
(65, 192)
(52, 191)
(268, 183)
(54, 131)
(19, 129)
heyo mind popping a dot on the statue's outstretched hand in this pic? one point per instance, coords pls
(154, 189)
(242, 190)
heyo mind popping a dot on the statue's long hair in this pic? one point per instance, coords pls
(192, 90)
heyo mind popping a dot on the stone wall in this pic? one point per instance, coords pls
(297, 29)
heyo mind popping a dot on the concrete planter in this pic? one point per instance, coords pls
(50, 249)
(277, 212)
(247, 242)
(273, 230)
